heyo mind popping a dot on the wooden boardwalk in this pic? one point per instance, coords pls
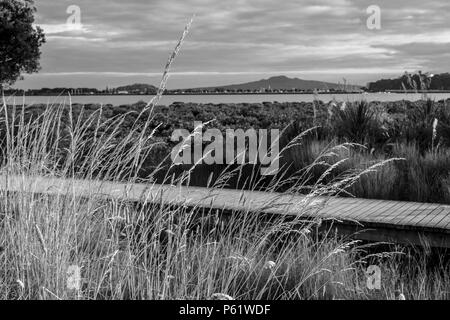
(374, 220)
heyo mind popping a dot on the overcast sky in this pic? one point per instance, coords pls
(123, 42)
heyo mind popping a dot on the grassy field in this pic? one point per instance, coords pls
(67, 247)
(64, 247)
(418, 133)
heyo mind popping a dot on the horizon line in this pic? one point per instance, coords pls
(270, 74)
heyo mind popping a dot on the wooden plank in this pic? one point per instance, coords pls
(367, 214)
(384, 214)
(380, 220)
(404, 211)
(447, 218)
(425, 215)
(442, 223)
(340, 210)
(436, 219)
(391, 211)
(353, 211)
(426, 218)
(419, 212)
(363, 207)
(339, 206)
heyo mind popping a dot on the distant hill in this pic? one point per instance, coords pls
(438, 82)
(279, 83)
(138, 88)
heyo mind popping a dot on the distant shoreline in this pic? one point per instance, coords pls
(243, 93)
(198, 94)
(167, 99)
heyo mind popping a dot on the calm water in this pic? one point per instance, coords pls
(167, 100)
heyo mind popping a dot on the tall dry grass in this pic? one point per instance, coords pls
(152, 250)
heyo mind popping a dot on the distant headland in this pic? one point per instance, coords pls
(273, 85)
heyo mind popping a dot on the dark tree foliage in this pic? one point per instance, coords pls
(437, 82)
(20, 40)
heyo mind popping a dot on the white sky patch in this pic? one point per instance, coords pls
(51, 29)
(312, 10)
(74, 39)
(78, 32)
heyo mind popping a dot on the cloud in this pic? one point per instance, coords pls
(244, 37)
(51, 29)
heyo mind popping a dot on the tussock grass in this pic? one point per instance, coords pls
(151, 250)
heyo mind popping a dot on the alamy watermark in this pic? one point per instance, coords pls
(74, 20)
(256, 147)
(373, 274)
(74, 278)
(374, 20)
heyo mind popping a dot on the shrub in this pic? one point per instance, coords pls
(357, 123)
